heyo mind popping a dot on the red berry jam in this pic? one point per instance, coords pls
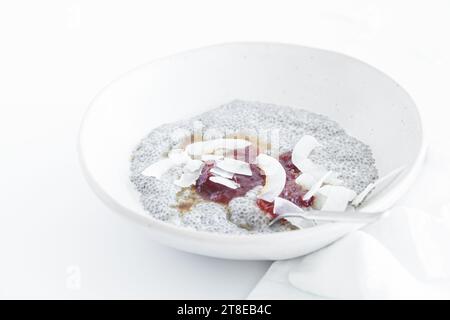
(209, 190)
(219, 193)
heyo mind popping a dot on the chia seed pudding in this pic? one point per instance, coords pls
(234, 168)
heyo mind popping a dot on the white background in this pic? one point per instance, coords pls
(57, 240)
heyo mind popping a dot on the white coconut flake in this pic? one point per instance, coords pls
(235, 166)
(300, 159)
(332, 178)
(225, 182)
(306, 165)
(333, 198)
(193, 166)
(220, 152)
(303, 148)
(361, 196)
(275, 177)
(282, 206)
(221, 173)
(209, 146)
(211, 157)
(191, 172)
(306, 180)
(179, 156)
(234, 144)
(187, 179)
(317, 185)
(158, 168)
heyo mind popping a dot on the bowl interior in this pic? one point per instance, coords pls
(366, 103)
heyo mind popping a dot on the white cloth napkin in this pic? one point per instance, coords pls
(405, 255)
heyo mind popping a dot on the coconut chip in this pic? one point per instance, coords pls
(211, 157)
(299, 157)
(332, 178)
(306, 165)
(191, 172)
(333, 198)
(178, 156)
(209, 146)
(225, 182)
(235, 166)
(306, 180)
(303, 148)
(275, 177)
(317, 185)
(158, 168)
(193, 166)
(316, 172)
(221, 173)
(187, 179)
(361, 196)
(282, 206)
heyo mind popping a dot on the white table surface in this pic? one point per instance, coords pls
(57, 240)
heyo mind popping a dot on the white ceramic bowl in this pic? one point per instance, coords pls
(367, 103)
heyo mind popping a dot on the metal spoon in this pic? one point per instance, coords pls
(336, 216)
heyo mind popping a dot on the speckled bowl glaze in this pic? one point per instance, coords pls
(368, 105)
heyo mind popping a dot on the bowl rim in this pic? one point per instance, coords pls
(401, 186)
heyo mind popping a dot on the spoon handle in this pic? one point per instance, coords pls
(342, 216)
(336, 216)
